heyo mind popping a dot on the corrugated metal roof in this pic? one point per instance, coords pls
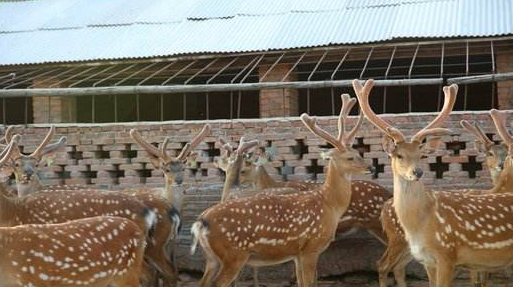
(41, 31)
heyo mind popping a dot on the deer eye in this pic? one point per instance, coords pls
(399, 156)
(350, 158)
(489, 154)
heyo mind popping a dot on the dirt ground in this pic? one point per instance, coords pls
(350, 280)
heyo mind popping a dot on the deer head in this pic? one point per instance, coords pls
(495, 153)
(342, 157)
(234, 163)
(25, 166)
(172, 167)
(405, 155)
(499, 119)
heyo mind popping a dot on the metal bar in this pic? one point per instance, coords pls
(366, 62)
(243, 70)
(206, 105)
(4, 113)
(161, 107)
(332, 101)
(294, 66)
(384, 100)
(93, 112)
(222, 70)
(467, 60)
(308, 100)
(317, 65)
(30, 79)
(492, 50)
(26, 110)
(201, 70)
(115, 108)
(442, 61)
(138, 115)
(91, 76)
(125, 90)
(14, 76)
(480, 79)
(71, 77)
(409, 99)
(340, 64)
(9, 75)
(184, 103)
(113, 75)
(413, 61)
(390, 63)
(271, 67)
(56, 76)
(154, 73)
(136, 73)
(252, 68)
(239, 103)
(231, 105)
(179, 72)
(439, 98)
(493, 96)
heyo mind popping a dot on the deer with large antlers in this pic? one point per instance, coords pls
(397, 254)
(445, 230)
(97, 252)
(271, 229)
(364, 210)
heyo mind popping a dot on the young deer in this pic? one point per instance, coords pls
(446, 230)
(96, 252)
(397, 255)
(271, 229)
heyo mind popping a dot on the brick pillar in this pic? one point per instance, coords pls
(278, 102)
(505, 88)
(52, 109)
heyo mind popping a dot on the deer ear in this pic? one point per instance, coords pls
(431, 145)
(155, 161)
(388, 144)
(5, 173)
(480, 146)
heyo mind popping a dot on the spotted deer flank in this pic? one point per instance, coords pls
(96, 252)
(271, 229)
(446, 230)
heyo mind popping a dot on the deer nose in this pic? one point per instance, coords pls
(178, 180)
(501, 165)
(418, 172)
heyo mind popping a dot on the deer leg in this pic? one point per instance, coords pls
(308, 264)
(299, 272)
(444, 274)
(395, 253)
(400, 268)
(431, 273)
(255, 276)
(211, 269)
(229, 271)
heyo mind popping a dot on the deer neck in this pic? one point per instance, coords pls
(336, 190)
(505, 181)
(32, 186)
(9, 210)
(262, 179)
(412, 203)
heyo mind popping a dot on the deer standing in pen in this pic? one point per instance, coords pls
(64, 204)
(364, 209)
(97, 252)
(446, 230)
(271, 229)
(397, 255)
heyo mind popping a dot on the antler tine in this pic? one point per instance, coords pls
(5, 155)
(51, 147)
(349, 138)
(347, 105)
(449, 100)
(195, 141)
(246, 145)
(363, 92)
(499, 119)
(9, 132)
(39, 150)
(163, 148)
(136, 136)
(476, 130)
(226, 146)
(311, 124)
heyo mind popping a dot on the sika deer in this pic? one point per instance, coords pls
(271, 229)
(94, 252)
(446, 230)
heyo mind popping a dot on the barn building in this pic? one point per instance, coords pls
(97, 68)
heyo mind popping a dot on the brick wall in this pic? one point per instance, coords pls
(278, 102)
(505, 89)
(52, 109)
(105, 155)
